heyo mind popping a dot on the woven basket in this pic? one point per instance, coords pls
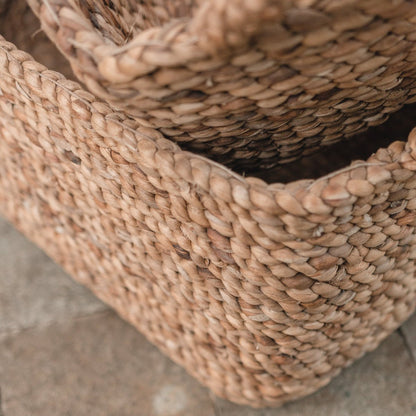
(262, 291)
(252, 83)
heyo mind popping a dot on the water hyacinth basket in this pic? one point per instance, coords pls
(262, 290)
(249, 82)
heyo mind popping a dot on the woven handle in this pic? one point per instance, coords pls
(217, 26)
(221, 25)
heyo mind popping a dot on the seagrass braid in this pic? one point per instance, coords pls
(250, 83)
(262, 291)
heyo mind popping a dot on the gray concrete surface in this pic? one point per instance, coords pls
(34, 291)
(62, 352)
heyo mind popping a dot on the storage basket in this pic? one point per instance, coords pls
(263, 292)
(252, 83)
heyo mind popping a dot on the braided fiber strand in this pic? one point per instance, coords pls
(263, 292)
(251, 83)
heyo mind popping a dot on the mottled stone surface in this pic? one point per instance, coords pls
(63, 353)
(95, 366)
(34, 291)
(408, 332)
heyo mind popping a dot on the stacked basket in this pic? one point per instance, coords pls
(262, 291)
(251, 83)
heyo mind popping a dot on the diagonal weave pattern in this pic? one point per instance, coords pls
(252, 83)
(262, 291)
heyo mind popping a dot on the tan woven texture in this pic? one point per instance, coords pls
(250, 82)
(263, 292)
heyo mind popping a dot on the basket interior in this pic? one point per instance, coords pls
(16, 13)
(342, 154)
(120, 20)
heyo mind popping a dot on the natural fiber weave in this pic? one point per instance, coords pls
(262, 291)
(250, 82)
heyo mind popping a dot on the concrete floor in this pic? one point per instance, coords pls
(62, 352)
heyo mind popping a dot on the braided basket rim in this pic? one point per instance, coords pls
(216, 178)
